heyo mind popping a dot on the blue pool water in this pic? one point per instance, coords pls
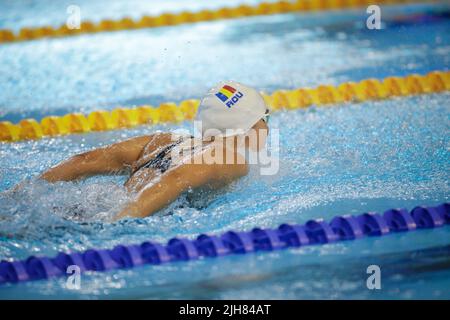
(89, 72)
(342, 159)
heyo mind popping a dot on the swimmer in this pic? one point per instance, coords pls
(162, 166)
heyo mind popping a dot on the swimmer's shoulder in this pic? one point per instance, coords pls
(235, 164)
(158, 139)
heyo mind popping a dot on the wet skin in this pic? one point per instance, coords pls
(152, 190)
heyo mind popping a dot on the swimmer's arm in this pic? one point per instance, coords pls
(155, 197)
(110, 159)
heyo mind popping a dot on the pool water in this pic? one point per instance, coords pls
(349, 158)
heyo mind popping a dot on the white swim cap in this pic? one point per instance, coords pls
(230, 105)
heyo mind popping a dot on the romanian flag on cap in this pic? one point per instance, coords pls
(225, 93)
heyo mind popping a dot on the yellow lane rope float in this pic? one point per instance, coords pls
(184, 17)
(101, 120)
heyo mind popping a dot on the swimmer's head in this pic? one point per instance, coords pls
(231, 108)
(255, 139)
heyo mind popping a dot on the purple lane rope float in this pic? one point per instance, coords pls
(313, 232)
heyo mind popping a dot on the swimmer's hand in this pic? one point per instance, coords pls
(18, 187)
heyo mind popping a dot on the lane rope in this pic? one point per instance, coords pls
(185, 17)
(313, 232)
(169, 112)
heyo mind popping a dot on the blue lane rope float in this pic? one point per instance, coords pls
(313, 232)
